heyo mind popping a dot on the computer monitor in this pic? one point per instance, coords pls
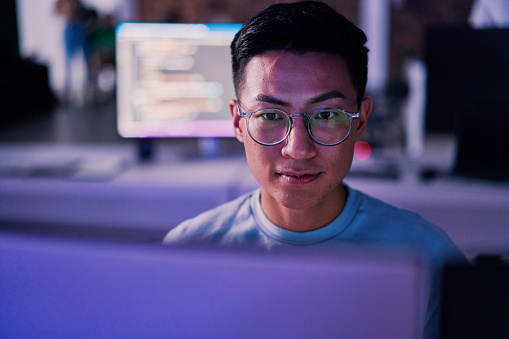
(174, 80)
(71, 288)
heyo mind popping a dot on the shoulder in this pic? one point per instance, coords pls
(213, 224)
(384, 214)
(388, 224)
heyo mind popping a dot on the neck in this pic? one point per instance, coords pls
(307, 219)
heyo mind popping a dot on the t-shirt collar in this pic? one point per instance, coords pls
(336, 227)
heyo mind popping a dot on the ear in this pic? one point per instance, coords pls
(362, 123)
(234, 110)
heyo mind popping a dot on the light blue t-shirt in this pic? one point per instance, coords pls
(363, 221)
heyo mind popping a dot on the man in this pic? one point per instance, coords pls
(300, 72)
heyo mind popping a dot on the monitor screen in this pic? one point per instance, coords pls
(174, 80)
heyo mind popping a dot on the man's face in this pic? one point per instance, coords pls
(299, 174)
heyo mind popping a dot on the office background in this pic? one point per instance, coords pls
(437, 133)
(55, 149)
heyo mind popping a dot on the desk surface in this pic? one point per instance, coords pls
(105, 186)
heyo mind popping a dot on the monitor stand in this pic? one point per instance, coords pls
(208, 147)
(145, 149)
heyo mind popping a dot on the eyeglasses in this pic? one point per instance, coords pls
(271, 126)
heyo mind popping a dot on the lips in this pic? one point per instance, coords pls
(298, 178)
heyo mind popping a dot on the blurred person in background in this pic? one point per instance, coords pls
(80, 23)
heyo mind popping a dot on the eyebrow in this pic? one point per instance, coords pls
(328, 95)
(272, 100)
(322, 97)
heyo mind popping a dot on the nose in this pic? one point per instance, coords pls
(298, 144)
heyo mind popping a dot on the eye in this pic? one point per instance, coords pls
(271, 116)
(325, 115)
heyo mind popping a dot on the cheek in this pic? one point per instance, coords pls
(340, 160)
(260, 159)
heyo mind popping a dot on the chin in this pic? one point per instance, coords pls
(298, 199)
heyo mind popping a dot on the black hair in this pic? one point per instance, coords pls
(307, 26)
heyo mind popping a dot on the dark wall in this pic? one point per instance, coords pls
(24, 84)
(468, 70)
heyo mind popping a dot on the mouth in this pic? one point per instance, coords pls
(297, 178)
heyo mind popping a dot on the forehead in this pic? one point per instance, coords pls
(292, 76)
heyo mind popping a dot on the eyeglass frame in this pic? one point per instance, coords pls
(248, 115)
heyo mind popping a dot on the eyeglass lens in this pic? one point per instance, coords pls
(271, 126)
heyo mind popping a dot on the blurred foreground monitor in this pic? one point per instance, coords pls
(476, 299)
(174, 80)
(56, 287)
